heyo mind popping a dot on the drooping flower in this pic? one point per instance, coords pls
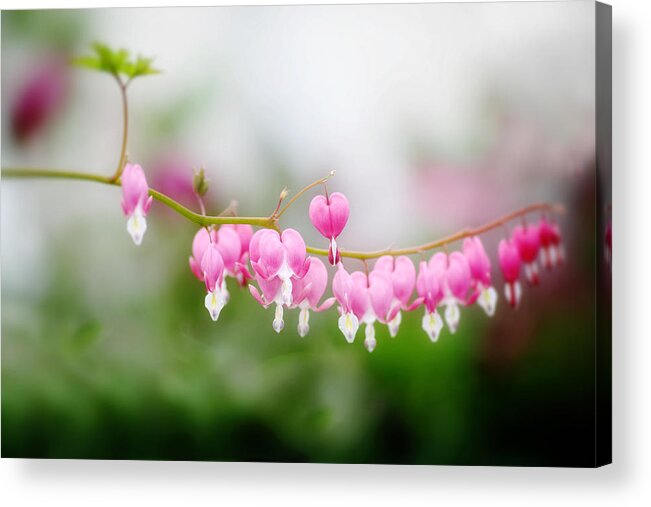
(347, 294)
(454, 273)
(245, 233)
(381, 305)
(527, 239)
(212, 269)
(403, 279)
(428, 286)
(307, 291)
(551, 251)
(329, 215)
(202, 239)
(509, 258)
(136, 200)
(276, 259)
(483, 291)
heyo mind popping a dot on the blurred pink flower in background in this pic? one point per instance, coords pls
(40, 97)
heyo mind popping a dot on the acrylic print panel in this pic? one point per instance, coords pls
(347, 234)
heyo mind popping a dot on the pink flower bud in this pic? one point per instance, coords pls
(509, 258)
(136, 201)
(329, 216)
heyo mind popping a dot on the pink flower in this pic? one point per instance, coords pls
(402, 274)
(480, 270)
(199, 244)
(136, 200)
(453, 272)
(245, 233)
(363, 299)
(347, 294)
(212, 269)
(608, 243)
(329, 215)
(428, 285)
(307, 291)
(551, 251)
(276, 259)
(527, 239)
(40, 98)
(509, 258)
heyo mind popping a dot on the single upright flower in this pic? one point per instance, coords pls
(136, 200)
(483, 291)
(551, 251)
(527, 239)
(277, 259)
(212, 268)
(307, 291)
(454, 273)
(428, 286)
(403, 279)
(329, 215)
(509, 257)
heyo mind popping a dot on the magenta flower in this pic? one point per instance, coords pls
(403, 279)
(276, 259)
(329, 215)
(428, 285)
(212, 269)
(136, 201)
(509, 258)
(40, 98)
(453, 272)
(527, 239)
(551, 248)
(483, 291)
(307, 291)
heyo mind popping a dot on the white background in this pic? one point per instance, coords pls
(626, 482)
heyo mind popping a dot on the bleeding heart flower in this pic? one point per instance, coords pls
(454, 273)
(403, 279)
(348, 295)
(277, 257)
(136, 201)
(509, 258)
(480, 270)
(329, 215)
(428, 285)
(551, 251)
(527, 239)
(212, 268)
(307, 291)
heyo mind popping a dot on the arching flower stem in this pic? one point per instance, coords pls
(271, 222)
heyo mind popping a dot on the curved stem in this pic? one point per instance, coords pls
(197, 218)
(301, 192)
(271, 221)
(443, 242)
(125, 129)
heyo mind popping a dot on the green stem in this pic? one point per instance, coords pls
(125, 129)
(271, 221)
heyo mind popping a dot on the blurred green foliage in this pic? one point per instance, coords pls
(117, 62)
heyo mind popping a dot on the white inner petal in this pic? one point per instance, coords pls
(369, 341)
(214, 303)
(137, 225)
(452, 315)
(432, 325)
(488, 300)
(278, 323)
(303, 321)
(348, 325)
(394, 324)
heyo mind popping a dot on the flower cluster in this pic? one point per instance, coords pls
(288, 278)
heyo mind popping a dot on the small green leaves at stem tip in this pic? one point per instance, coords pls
(116, 62)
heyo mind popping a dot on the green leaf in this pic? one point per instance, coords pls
(116, 62)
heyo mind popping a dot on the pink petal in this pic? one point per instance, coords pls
(228, 243)
(212, 266)
(295, 250)
(320, 216)
(339, 212)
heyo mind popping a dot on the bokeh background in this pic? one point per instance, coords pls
(435, 117)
